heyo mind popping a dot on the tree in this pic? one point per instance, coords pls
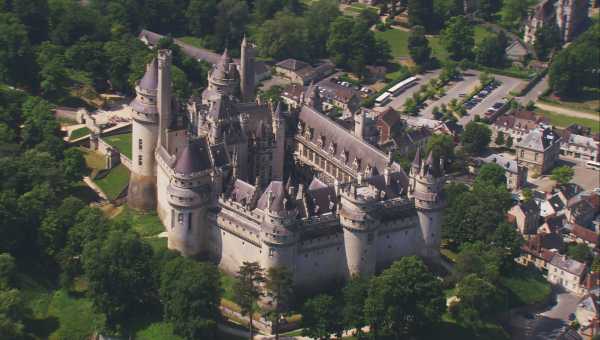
(476, 137)
(190, 294)
(488, 8)
(490, 51)
(54, 78)
(120, 274)
(562, 174)
(247, 289)
(34, 15)
(507, 239)
(320, 317)
(279, 289)
(491, 173)
(369, 16)
(458, 38)
(418, 46)
(7, 270)
(404, 300)
(547, 38)
(580, 252)
(527, 194)
(230, 23)
(442, 146)
(419, 13)
(11, 314)
(16, 57)
(74, 166)
(475, 215)
(280, 37)
(477, 258)
(512, 13)
(509, 142)
(355, 293)
(499, 138)
(52, 233)
(200, 17)
(318, 17)
(479, 301)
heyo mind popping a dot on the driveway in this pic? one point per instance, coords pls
(547, 324)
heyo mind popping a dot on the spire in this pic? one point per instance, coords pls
(150, 79)
(244, 41)
(432, 165)
(313, 98)
(278, 111)
(417, 161)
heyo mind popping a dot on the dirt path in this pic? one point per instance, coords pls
(567, 111)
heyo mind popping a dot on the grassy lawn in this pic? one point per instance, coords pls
(525, 287)
(121, 142)
(564, 120)
(589, 102)
(480, 32)
(93, 160)
(194, 41)
(227, 282)
(145, 224)
(437, 50)
(449, 254)
(449, 329)
(397, 39)
(114, 182)
(78, 133)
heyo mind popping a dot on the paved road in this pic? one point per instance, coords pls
(535, 92)
(587, 178)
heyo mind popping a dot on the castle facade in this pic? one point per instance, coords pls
(236, 180)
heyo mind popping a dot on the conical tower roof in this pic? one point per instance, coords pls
(417, 161)
(150, 79)
(193, 158)
(433, 165)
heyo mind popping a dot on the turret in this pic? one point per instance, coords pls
(313, 98)
(427, 182)
(279, 149)
(278, 240)
(247, 71)
(145, 116)
(164, 100)
(224, 77)
(360, 226)
(359, 125)
(189, 198)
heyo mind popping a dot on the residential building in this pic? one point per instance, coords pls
(292, 95)
(517, 124)
(516, 176)
(579, 146)
(538, 150)
(567, 273)
(525, 215)
(336, 96)
(516, 52)
(303, 73)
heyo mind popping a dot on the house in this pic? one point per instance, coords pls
(335, 95)
(539, 250)
(388, 123)
(409, 140)
(517, 124)
(567, 273)
(583, 208)
(516, 176)
(292, 95)
(516, 52)
(538, 150)
(303, 73)
(579, 146)
(552, 225)
(587, 314)
(581, 234)
(525, 216)
(552, 206)
(436, 126)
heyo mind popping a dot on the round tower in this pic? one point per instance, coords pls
(224, 77)
(360, 229)
(277, 239)
(189, 197)
(144, 135)
(427, 183)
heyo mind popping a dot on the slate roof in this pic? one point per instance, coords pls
(279, 198)
(584, 233)
(193, 158)
(346, 142)
(292, 64)
(321, 197)
(539, 139)
(242, 192)
(508, 164)
(568, 265)
(150, 79)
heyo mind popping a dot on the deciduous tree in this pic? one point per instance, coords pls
(321, 317)
(458, 38)
(247, 289)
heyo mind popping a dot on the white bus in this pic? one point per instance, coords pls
(402, 86)
(383, 99)
(593, 165)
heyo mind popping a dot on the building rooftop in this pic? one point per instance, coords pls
(507, 163)
(539, 139)
(569, 265)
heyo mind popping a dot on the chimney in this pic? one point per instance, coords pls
(386, 176)
(359, 125)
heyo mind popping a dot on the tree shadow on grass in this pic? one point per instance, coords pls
(42, 328)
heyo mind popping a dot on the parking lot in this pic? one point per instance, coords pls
(469, 81)
(397, 103)
(507, 84)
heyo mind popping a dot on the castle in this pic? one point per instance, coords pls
(236, 180)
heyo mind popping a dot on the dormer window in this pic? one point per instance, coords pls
(356, 163)
(345, 156)
(332, 148)
(322, 141)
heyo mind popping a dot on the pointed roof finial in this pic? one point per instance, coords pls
(417, 161)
